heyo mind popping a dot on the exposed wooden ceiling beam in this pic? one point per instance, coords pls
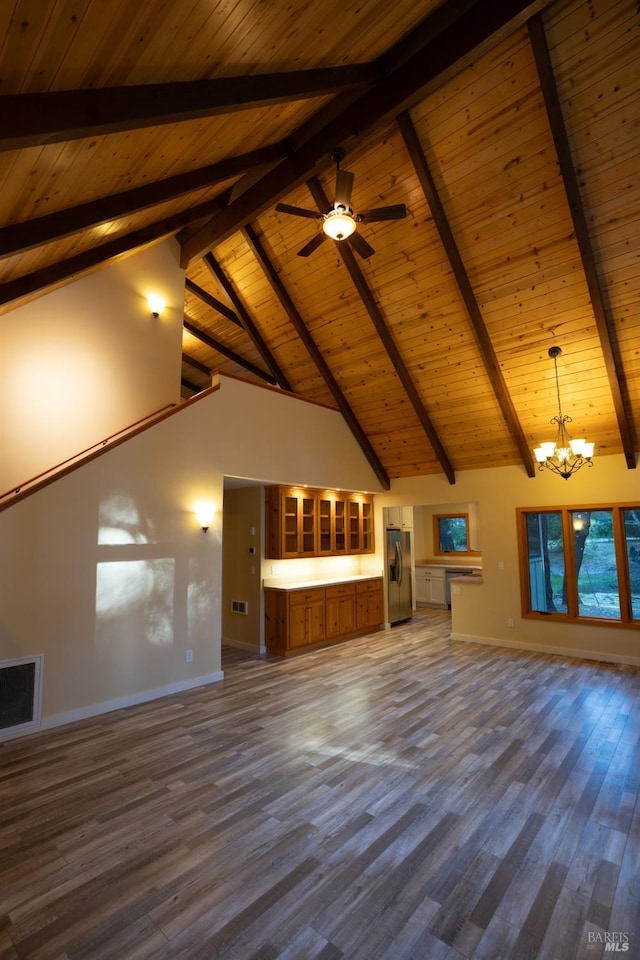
(56, 274)
(191, 386)
(487, 352)
(196, 364)
(485, 22)
(386, 338)
(34, 119)
(215, 344)
(604, 322)
(249, 326)
(18, 237)
(212, 301)
(316, 355)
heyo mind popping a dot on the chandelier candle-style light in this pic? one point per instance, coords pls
(563, 455)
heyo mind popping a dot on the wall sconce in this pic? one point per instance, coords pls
(204, 513)
(156, 305)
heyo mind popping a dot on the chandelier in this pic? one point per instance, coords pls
(563, 455)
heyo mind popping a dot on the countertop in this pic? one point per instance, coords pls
(304, 583)
(456, 567)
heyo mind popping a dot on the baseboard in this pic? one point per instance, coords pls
(108, 706)
(241, 645)
(542, 648)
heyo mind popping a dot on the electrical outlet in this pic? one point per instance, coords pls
(510, 622)
(189, 656)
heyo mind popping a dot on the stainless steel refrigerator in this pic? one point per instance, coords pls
(398, 561)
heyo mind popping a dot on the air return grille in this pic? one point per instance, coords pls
(19, 695)
(240, 606)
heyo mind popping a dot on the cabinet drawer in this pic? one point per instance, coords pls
(369, 586)
(313, 595)
(340, 590)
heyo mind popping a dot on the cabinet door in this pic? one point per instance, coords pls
(326, 524)
(369, 604)
(290, 514)
(341, 610)
(297, 625)
(423, 587)
(437, 590)
(355, 526)
(340, 544)
(306, 617)
(316, 628)
(367, 527)
(307, 509)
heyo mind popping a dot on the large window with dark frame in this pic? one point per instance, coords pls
(581, 564)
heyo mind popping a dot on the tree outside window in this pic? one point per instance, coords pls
(581, 563)
(451, 533)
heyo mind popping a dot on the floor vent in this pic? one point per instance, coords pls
(20, 693)
(240, 606)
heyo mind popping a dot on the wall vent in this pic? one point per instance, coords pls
(240, 606)
(20, 695)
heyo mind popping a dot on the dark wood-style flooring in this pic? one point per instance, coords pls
(396, 797)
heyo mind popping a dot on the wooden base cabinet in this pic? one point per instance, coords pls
(297, 620)
(306, 617)
(341, 610)
(369, 604)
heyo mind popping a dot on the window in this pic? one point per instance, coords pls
(451, 533)
(581, 563)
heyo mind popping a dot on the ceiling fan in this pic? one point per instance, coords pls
(340, 222)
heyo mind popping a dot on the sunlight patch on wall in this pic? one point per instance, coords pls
(134, 591)
(136, 596)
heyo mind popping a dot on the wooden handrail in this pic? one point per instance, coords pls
(67, 466)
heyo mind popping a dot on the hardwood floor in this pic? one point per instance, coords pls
(395, 797)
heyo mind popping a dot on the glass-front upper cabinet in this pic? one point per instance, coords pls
(303, 522)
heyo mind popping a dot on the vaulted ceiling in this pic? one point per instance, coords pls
(510, 130)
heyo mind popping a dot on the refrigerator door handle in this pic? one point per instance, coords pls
(399, 562)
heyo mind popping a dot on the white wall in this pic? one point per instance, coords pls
(482, 612)
(87, 360)
(106, 571)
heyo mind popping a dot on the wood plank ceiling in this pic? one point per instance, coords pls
(510, 130)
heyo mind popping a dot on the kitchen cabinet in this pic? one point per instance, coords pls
(301, 618)
(340, 610)
(291, 521)
(430, 586)
(399, 517)
(369, 604)
(306, 522)
(306, 617)
(360, 518)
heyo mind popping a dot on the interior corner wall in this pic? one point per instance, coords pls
(483, 612)
(86, 360)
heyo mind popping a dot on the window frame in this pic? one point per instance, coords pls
(626, 619)
(437, 551)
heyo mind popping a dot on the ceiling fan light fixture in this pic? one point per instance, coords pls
(338, 224)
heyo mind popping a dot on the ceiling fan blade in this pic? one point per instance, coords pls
(396, 212)
(344, 186)
(297, 211)
(360, 245)
(312, 245)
